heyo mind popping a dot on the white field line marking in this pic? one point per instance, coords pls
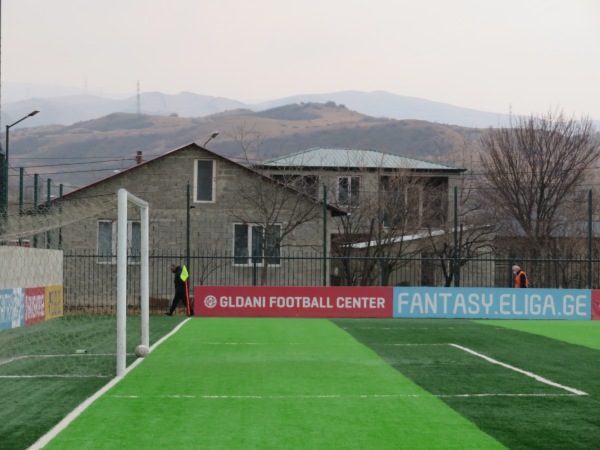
(45, 439)
(53, 376)
(415, 345)
(309, 343)
(400, 328)
(263, 343)
(248, 343)
(330, 396)
(74, 355)
(524, 372)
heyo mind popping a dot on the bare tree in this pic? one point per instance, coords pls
(534, 170)
(454, 245)
(270, 208)
(374, 241)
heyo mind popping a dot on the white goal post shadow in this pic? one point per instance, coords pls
(123, 198)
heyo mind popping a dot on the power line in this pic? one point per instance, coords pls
(80, 163)
(36, 158)
(82, 171)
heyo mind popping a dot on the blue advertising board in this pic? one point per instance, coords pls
(492, 303)
(12, 308)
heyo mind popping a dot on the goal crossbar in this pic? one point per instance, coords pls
(123, 198)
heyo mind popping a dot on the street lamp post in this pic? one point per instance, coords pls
(212, 136)
(4, 207)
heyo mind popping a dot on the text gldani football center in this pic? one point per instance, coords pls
(397, 302)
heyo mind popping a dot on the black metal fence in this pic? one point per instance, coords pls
(90, 282)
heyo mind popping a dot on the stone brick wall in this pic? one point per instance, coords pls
(163, 183)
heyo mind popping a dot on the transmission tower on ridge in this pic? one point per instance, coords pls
(139, 104)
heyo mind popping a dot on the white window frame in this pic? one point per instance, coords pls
(250, 257)
(213, 183)
(132, 260)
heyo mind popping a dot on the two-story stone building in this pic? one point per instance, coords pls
(390, 198)
(227, 222)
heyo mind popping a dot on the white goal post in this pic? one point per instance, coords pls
(123, 198)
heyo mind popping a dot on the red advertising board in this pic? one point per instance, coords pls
(292, 301)
(34, 305)
(595, 305)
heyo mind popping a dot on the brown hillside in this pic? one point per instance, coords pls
(90, 150)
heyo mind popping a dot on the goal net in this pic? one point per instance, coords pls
(73, 314)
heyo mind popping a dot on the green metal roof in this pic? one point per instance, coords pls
(319, 157)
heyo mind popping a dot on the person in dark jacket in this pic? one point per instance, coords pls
(521, 280)
(180, 290)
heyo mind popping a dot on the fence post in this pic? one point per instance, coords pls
(21, 180)
(188, 207)
(47, 208)
(324, 235)
(590, 237)
(36, 179)
(60, 202)
(455, 262)
(382, 268)
(187, 227)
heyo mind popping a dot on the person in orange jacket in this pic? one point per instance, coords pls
(521, 280)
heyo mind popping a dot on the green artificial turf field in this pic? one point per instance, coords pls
(43, 378)
(519, 411)
(253, 383)
(268, 384)
(579, 332)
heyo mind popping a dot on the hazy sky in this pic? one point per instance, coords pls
(494, 55)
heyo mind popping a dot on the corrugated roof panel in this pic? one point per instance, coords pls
(353, 158)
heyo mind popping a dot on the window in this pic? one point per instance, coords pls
(409, 202)
(204, 176)
(401, 202)
(347, 191)
(107, 242)
(309, 184)
(252, 244)
(436, 200)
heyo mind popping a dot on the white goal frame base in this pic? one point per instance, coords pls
(123, 198)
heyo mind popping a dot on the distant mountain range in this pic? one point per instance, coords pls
(69, 105)
(86, 151)
(80, 138)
